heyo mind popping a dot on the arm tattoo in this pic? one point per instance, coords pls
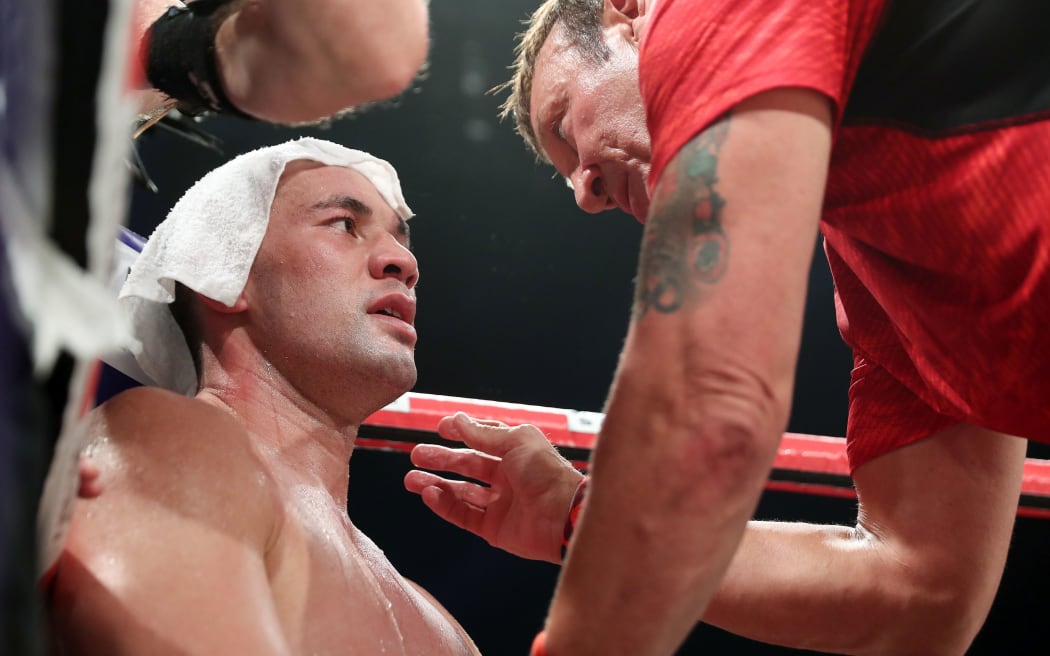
(684, 242)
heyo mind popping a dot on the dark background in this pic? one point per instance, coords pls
(524, 298)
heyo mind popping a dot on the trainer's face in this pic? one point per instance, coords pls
(590, 122)
(333, 285)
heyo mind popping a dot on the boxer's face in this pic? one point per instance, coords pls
(589, 120)
(333, 285)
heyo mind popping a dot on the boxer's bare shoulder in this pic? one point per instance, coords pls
(184, 498)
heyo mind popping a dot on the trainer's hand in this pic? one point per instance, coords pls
(528, 486)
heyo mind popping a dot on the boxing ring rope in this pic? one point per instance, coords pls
(806, 464)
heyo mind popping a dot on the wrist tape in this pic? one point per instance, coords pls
(180, 57)
(539, 645)
(574, 513)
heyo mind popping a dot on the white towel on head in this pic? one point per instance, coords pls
(209, 240)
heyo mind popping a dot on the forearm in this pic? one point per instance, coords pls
(807, 586)
(704, 387)
(671, 491)
(292, 61)
(916, 575)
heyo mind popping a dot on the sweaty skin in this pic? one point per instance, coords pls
(222, 525)
(219, 510)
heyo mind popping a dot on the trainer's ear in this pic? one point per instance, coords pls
(628, 8)
(626, 13)
(240, 305)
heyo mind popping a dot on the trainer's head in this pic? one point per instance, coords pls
(575, 100)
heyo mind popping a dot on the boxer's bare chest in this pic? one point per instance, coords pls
(337, 593)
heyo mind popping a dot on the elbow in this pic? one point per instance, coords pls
(394, 70)
(933, 625)
(933, 613)
(410, 63)
(717, 428)
(402, 58)
(396, 78)
(289, 74)
(732, 413)
(719, 393)
(728, 452)
(385, 65)
(949, 617)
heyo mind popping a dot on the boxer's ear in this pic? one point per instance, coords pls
(240, 305)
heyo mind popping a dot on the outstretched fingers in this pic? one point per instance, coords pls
(460, 503)
(464, 462)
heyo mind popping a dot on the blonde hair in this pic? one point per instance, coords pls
(582, 20)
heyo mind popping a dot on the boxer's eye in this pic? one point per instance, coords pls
(348, 224)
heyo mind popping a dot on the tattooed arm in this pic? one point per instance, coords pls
(704, 384)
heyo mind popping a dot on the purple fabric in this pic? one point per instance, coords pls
(24, 448)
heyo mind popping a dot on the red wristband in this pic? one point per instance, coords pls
(574, 513)
(539, 645)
